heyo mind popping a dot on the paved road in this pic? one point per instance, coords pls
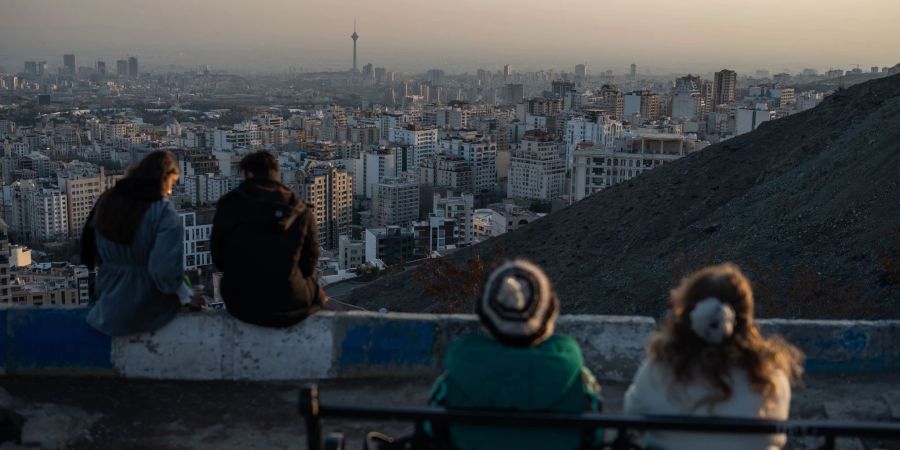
(339, 292)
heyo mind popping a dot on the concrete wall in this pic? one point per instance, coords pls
(214, 346)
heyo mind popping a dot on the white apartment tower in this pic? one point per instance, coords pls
(36, 213)
(460, 207)
(372, 167)
(196, 241)
(421, 140)
(601, 131)
(482, 153)
(536, 170)
(599, 168)
(396, 202)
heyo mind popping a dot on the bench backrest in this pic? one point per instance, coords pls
(313, 411)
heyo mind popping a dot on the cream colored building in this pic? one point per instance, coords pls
(597, 168)
(83, 186)
(536, 170)
(329, 191)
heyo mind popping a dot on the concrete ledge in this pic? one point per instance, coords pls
(214, 346)
(842, 346)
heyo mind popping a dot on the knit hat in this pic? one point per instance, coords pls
(518, 305)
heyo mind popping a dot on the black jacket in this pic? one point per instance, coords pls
(264, 240)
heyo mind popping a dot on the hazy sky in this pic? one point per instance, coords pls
(457, 35)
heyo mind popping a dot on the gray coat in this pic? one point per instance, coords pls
(136, 283)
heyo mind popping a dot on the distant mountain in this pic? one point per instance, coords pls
(809, 205)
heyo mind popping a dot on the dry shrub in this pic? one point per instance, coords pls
(454, 286)
(786, 292)
(801, 291)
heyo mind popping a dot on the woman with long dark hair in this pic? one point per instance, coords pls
(135, 238)
(710, 359)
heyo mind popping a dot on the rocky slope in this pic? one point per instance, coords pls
(809, 205)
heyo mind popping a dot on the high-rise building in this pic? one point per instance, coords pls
(561, 87)
(101, 68)
(507, 71)
(122, 67)
(632, 73)
(69, 64)
(82, 186)
(422, 142)
(460, 207)
(435, 77)
(390, 245)
(30, 68)
(612, 100)
(132, 67)
(197, 230)
(515, 94)
(692, 98)
(328, 189)
(371, 168)
(542, 106)
(536, 170)
(726, 83)
(368, 72)
(36, 213)
(381, 75)
(396, 202)
(482, 154)
(447, 171)
(580, 71)
(602, 132)
(645, 103)
(599, 168)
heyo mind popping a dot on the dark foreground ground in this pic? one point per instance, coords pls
(115, 414)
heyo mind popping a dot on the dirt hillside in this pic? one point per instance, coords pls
(809, 205)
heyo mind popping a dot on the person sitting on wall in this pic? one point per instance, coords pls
(521, 366)
(709, 359)
(135, 237)
(265, 241)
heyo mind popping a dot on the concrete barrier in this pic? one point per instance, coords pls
(212, 345)
(842, 346)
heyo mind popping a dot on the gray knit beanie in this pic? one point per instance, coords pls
(518, 305)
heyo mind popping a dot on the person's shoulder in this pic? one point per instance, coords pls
(163, 213)
(468, 343)
(163, 207)
(654, 370)
(562, 340)
(231, 196)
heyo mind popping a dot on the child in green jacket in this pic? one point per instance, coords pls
(523, 366)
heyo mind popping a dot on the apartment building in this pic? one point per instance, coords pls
(536, 170)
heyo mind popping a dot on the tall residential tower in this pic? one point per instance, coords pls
(726, 82)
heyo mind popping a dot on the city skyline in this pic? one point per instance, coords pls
(801, 34)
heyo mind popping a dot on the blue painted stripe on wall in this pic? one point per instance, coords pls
(819, 366)
(54, 339)
(3, 340)
(388, 344)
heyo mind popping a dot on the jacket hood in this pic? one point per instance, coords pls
(487, 374)
(274, 205)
